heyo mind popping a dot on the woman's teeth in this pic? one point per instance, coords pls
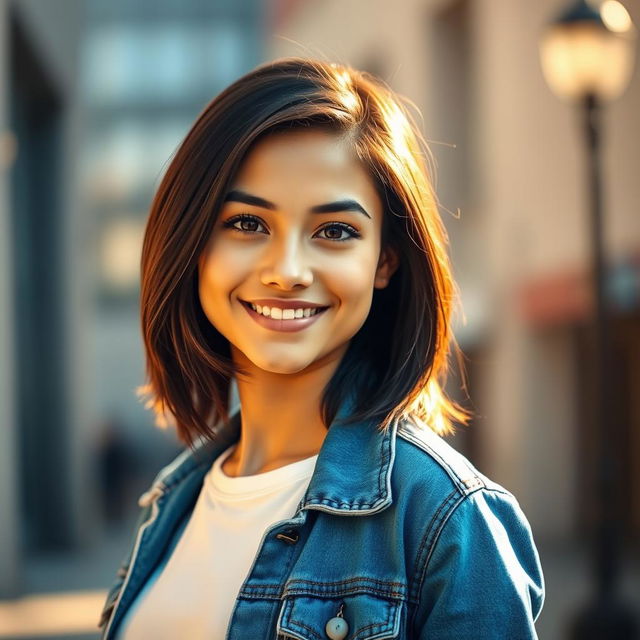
(284, 314)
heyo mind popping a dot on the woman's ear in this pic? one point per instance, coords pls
(387, 265)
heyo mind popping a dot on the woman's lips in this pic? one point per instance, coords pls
(296, 324)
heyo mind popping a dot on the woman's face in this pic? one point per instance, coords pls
(300, 227)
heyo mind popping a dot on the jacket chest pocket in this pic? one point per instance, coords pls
(364, 616)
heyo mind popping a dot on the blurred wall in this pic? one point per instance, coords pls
(510, 162)
(43, 482)
(148, 70)
(96, 96)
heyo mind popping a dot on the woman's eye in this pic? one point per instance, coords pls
(249, 224)
(336, 229)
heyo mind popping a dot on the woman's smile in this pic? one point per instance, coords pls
(288, 319)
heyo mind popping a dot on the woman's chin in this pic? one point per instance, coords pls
(282, 366)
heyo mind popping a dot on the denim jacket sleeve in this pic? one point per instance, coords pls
(483, 578)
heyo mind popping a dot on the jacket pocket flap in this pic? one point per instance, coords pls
(366, 615)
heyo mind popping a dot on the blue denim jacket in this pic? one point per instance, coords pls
(397, 531)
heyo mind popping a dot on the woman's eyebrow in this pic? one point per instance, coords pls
(331, 207)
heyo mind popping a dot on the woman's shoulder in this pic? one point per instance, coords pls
(443, 482)
(468, 521)
(422, 454)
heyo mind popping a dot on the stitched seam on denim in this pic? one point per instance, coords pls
(366, 585)
(276, 596)
(451, 472)
(439, 532)
(384, 467)
(337, 503)
(364, 589)
(336, 584)
(380, 626)
(432, 545)
(348, 581)
(261, 591)
(304, 626)
(430, 533)
(377, 625)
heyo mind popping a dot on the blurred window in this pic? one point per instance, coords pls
(126, 64)
(127, 157)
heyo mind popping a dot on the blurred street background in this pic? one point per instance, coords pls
(95, 96)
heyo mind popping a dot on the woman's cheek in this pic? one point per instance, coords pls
(355, 277)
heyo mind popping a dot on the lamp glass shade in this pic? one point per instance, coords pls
(585, 57)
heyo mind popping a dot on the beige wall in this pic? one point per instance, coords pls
(522, 205)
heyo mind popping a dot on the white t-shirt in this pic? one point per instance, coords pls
(192, 594)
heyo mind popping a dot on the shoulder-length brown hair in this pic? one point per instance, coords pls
(396, 364)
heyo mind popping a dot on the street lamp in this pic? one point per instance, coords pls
(587, 57)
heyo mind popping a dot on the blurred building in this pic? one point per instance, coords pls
(148, 69)
(96, 96)
(511, 182)
(511, 179)
(42, 314)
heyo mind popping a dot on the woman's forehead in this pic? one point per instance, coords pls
(309, 146)
(314, 164)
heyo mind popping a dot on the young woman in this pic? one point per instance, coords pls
(294, 247)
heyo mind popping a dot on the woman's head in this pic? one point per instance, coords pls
(395, 362)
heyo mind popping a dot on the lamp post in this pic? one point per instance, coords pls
(587, 57)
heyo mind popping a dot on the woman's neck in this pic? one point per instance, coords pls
(281, 421)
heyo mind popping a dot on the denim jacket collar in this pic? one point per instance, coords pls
(352, 475)
(353, 470)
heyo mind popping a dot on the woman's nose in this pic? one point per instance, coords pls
(287, 266)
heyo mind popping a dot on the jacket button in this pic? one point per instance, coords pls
(337, 628)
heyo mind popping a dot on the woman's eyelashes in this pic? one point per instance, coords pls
(249, 224)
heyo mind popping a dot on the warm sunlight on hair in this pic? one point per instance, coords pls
(399, 128)
(349, 97)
